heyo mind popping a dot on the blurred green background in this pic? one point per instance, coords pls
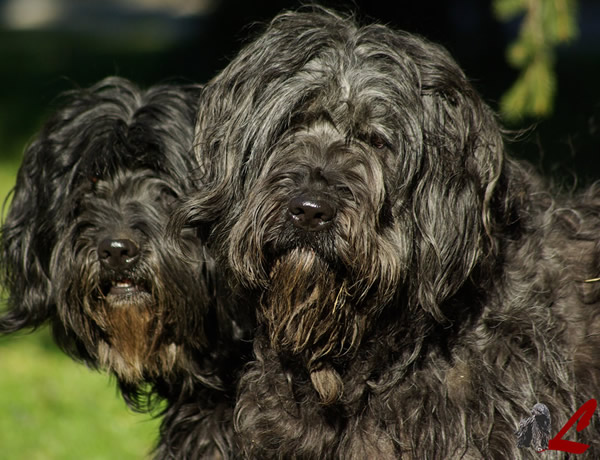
(52, 408)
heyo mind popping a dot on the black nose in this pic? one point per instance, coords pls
(117, 254)
(311, 213)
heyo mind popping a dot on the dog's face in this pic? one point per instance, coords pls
(117, 286)
(357, 171)
(316, 234)
(83, 242)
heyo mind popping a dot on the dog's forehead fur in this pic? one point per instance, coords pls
(127, 197)
(358, 89)
(114, 126)
(143, 185)
(366, 80)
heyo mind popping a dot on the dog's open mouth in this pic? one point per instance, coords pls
(123, 289)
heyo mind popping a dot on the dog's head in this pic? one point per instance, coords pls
(83, 243)
(350, 166)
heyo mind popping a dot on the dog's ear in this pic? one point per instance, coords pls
(26, 241)
(462, 156)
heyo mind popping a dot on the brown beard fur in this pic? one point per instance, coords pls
(309, 313)
(133, 345)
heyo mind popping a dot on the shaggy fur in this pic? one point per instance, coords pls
(83, 249)
(417, 290)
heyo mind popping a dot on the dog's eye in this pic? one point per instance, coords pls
(93, 179)
(376, 141)
(344, 191)
(89, 183)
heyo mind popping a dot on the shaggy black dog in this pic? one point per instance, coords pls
(417, 290)
(83, 249)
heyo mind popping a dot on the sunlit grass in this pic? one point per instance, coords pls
(52, 408)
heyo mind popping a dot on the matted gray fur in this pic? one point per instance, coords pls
(417, 290)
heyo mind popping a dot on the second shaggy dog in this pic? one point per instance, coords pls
(417, 290)
(83, 248)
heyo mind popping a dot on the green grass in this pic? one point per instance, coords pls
(52, 408)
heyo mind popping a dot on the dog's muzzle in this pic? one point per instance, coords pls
(118, 257)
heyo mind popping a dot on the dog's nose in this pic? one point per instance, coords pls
(117, 253)
(311, 213)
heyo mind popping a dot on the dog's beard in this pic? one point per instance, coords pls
(308, 312)
(124, 325)
(132, 342)
(133, 345)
